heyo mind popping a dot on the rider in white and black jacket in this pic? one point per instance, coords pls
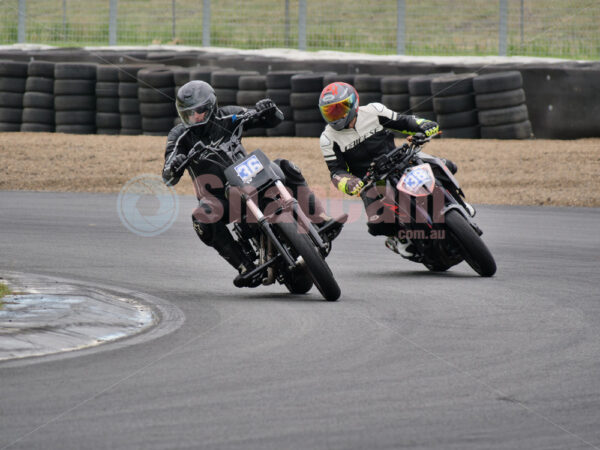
(355, 135)
(202, 120)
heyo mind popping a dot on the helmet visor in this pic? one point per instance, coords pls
(196, 115)
(338, 110)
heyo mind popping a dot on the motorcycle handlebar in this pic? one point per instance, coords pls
(200, 146)
(388, 161)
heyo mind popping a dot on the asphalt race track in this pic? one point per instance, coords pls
(405, 359)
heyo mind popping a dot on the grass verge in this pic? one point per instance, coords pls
(4, 291)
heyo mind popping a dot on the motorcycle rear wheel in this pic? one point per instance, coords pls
(315, 264)
(474, 250)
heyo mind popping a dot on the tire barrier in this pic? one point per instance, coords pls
(75, 97)
(129, 105)
(181, 76)
(369, 88)
(304, 99)
(251, 89)
(38, 100)
(279, 89)
(420, 95)
(13, 79)
(156, 95)
(394, 93)
(500, 100)
(108, 118)
(562, 99)
(201, 73)
(225, 83)
(454, 106)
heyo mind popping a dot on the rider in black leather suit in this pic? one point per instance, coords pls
(203, 120)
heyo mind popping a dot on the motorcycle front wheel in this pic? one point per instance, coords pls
(298, 282)
(474, 250)
(302, 245)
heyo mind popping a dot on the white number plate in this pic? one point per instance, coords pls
(417, 178)
(249, 168)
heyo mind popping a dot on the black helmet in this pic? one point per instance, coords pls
(195, 97)
(338, 104)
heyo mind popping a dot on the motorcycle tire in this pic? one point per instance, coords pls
(315, 263)
(474, 250)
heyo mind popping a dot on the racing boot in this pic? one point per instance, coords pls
(330, 228)
(246, 278)
(401, 246)
(232, 252)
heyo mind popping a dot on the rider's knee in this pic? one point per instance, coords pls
(204, 231)
(291, 171)
(380, 229)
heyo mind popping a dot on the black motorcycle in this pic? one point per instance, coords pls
(425, 203)
(272, 229)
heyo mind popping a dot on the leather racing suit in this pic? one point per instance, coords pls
(212, 214)
(349, 152)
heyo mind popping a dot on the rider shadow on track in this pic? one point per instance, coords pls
(415, 274)
(283, 296)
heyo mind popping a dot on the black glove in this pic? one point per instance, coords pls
(419, 139)
(350, 184)
(264, 105)
(428, 127)
(176, 164)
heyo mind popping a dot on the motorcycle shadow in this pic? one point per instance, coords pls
(279, 296)
(417, 274)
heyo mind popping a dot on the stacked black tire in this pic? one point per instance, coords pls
(420, 98)
(501, 102)
(181, 75)
(369, 88)
(226, 85)
(341, 77)
(454, 106)
(129, 105)
(394, 93)
(306, 90)
(38, 101)
(156, 93)
(251, 89)
(108, 118)
(13, 78)
(75, 98)
(202, 73)
(279, 89)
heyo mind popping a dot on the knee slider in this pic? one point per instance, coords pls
(204, 231)
(378, 227)
(291, 171)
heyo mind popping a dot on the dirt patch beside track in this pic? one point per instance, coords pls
(532, 172)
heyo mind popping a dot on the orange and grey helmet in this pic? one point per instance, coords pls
(338, 104)
(195, 97)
